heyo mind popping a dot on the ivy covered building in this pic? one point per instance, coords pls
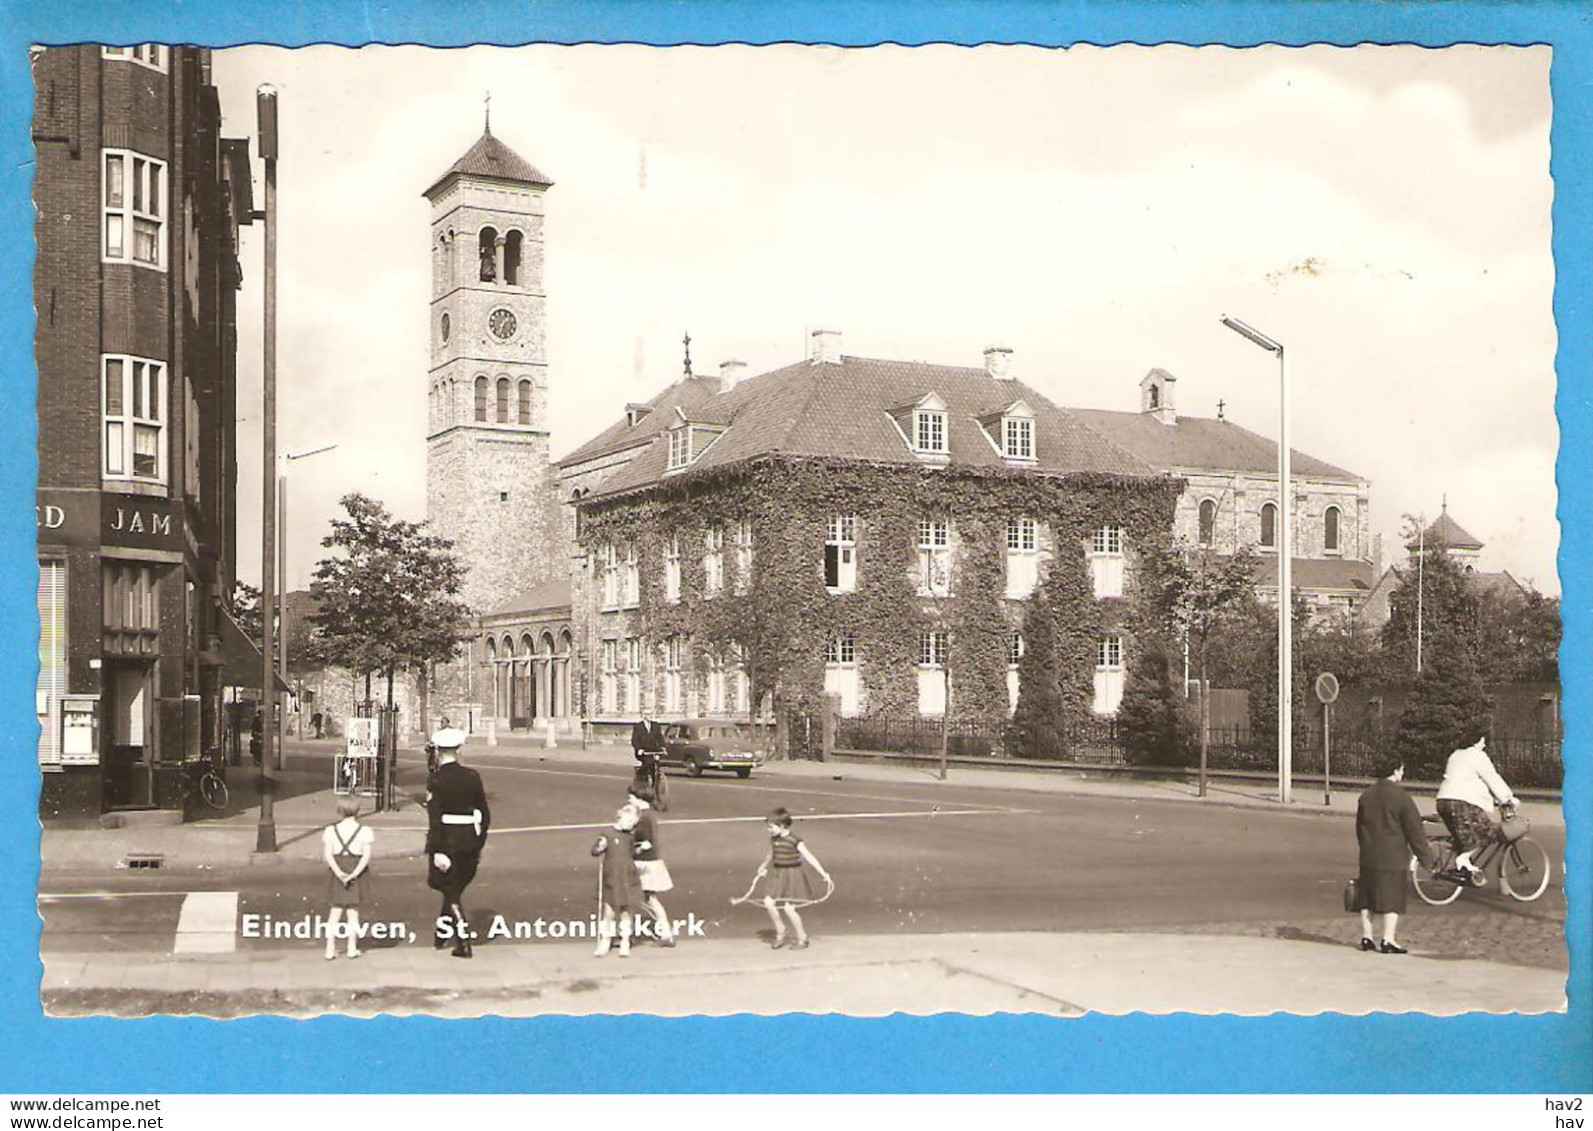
(860, 529)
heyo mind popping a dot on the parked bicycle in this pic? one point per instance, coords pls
(1523, 864)
(205, 778)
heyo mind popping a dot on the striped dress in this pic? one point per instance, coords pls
(788, 880)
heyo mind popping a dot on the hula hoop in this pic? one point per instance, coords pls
(829, 890)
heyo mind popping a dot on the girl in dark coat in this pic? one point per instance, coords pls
(1389, 830)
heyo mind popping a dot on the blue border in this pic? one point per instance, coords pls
(1406, 1054)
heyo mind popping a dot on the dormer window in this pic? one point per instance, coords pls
(1018, 432)
(679, 447)
(929, 430)
(635, 414)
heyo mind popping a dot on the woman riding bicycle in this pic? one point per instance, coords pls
(1470, 790)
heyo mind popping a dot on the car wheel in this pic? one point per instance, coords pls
(744, 772)
(694, 768)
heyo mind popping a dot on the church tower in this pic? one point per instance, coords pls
(489, 485)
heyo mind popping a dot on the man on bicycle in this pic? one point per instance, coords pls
(1470, 790)
(647, 746)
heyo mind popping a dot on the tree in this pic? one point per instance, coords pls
(246, 609)
(1447, 709)
(1150, 721)
(1188, 592)
(389, 598)
(1435, 594)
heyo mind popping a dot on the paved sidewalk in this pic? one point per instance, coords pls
(1054, 974)
(231, 840)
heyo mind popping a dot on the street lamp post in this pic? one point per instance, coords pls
(1285, 562)
(266, 107)
(282, 594)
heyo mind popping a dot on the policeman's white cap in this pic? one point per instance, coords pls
(449, 738)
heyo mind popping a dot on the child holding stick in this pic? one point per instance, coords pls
(619, 887)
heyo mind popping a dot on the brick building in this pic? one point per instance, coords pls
(1230, 498)
(139, 202)
(888, 554)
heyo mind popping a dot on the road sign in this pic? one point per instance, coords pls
(1327, 687)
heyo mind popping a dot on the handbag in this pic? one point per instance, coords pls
(1513, 828)
(1352, 894)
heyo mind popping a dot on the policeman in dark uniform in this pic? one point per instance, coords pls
(456, 806)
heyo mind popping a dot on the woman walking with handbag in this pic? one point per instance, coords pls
(1388, 829)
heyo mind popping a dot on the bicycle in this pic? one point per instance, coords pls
(204, 778)
(1524, 869)
(652, 772)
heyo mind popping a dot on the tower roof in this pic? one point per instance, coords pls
(1449, 532)
(490, 158)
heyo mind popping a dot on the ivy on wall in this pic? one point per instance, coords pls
(780, 619)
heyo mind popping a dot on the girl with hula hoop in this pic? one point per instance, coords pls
(789, 886)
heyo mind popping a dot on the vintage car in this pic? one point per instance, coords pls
(711, 744)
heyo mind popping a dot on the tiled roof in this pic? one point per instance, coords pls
(1318, 573)
(550, 595)
(1446, 530)
(843, 412)
(1200, 442)
(489, 157)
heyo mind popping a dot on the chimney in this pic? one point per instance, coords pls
(729, 373)
(998, 363)
(825, 348)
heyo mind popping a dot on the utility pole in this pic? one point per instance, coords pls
(266, 106)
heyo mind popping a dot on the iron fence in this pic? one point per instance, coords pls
(1527, 759)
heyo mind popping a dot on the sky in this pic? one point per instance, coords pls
(1382, 211)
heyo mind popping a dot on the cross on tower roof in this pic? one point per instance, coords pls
(686, 341)
(1220, 404)
(487, 107)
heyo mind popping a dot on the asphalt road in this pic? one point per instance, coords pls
(930, 858)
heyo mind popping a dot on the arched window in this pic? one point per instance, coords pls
(481, 400)
(1330, 530)
(1155, 397)
(1269, 525)
(524, 415)
(1208, 521)
(489, 254)
(511, 258)
(503, 400)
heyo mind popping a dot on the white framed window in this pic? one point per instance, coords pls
(1106, 561)
(1108, 675)
(931, 649)
(840, 672)
(133, 410)
(1017, 437)
(742, 686)
(932, 673)
(608, 575)
(672, 569)
(1014, 656)
(1023, 557)
(743, 555)
(679, 447)
(929, 430)
(630, 577)
(633, 675)
(716, 685)
(934, 557)
(134, 207)
(673, 652)
(840, 554)
(841, 650)
(151, 55)
(608, 679)
(713, 560)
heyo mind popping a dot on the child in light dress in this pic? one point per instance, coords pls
(346, 848)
